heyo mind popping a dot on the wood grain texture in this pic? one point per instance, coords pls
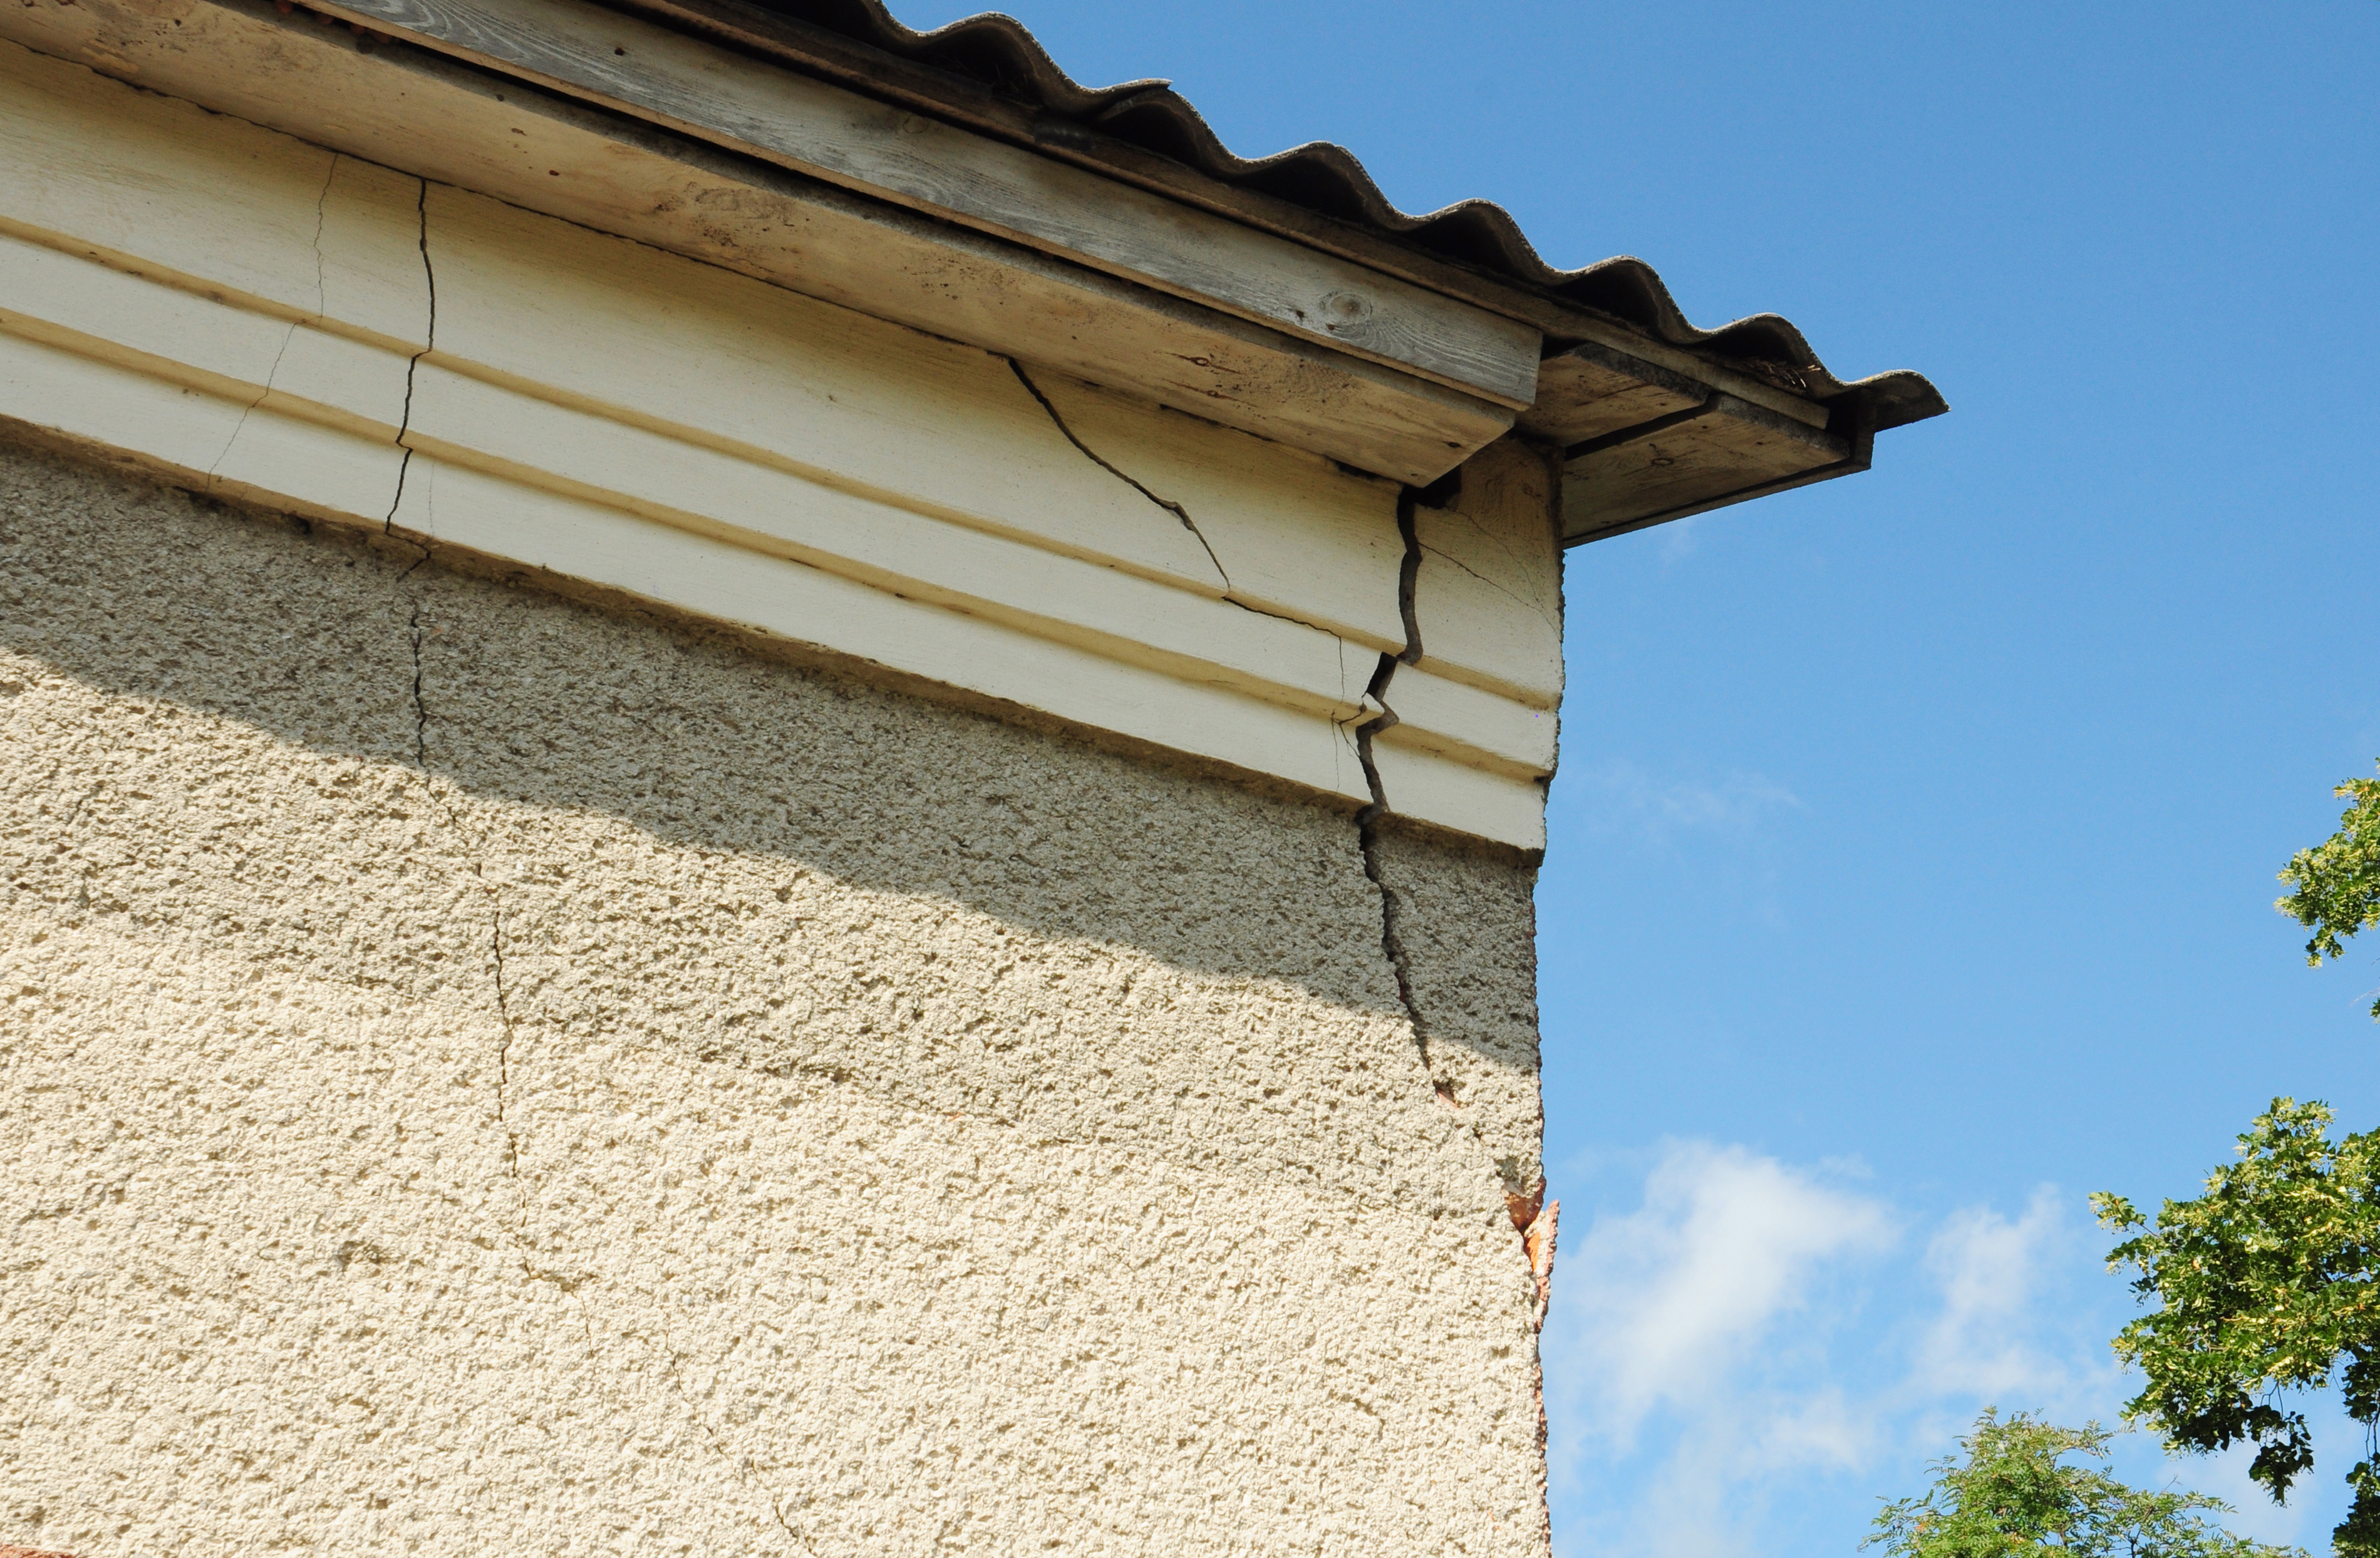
(1691, 368)
(818, 50)
(635, 68)
(1591, 390)
(1732, 447)
(406, 108)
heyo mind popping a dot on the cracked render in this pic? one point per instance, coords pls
(485, 1073)
(1507, 1116)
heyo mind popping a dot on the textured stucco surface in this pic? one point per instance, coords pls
(1463, 924)
(479, 1074)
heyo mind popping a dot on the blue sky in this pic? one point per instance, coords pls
(1913, 846)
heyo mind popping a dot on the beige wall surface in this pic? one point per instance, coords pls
(484, 1075)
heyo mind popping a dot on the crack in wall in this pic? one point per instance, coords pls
(418, 632)
(1409, 576)
(429, 345)
(321, 306)
(1367, 821)
(777, 1508)
(1409, 570)
(1536, 607)
(740, 1467)
(417, 635)
(1392, 942)
(1534, 1218)
(414, 628)
(504, 1021)
(1168, 504)
(414, 634)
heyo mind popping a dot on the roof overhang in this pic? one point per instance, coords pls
(870, 167)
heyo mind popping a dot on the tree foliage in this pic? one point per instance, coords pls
(2336, 883)
(2012, 1492)
(2269, 1283)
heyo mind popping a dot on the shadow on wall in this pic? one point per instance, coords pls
(635, 828)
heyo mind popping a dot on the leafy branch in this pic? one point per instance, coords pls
(2012, 1492)
(2336, 883)
(2269, 1283)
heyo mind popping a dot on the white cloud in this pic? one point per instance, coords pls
(1666, 1301)
(1753, 1347)
(1735, 804)
(1680, 539)
(1989, 1273)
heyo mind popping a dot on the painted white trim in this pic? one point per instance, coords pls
(653, 424)
(698, 89)
(947, 273)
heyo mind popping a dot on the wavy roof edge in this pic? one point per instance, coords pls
(999, 53)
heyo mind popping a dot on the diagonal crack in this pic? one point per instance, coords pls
(321, 306)
(1536, 607)
(1168, 504)
(1178, 512)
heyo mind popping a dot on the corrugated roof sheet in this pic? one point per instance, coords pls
(998, 53)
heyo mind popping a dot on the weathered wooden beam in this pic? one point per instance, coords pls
(821, 51)
(427, 114)
(1719, 449)
(633, 66)
(1591, 390)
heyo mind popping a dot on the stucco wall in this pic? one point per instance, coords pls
(480, 1074)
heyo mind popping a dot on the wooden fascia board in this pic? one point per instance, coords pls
(1852, 466)
(1851, 449)
(253, 314)
(944, 94)
(698, 88)
(1246, 212)
(1398, 445)
(452, 121)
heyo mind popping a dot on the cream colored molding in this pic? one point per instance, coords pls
(1469, 726)
(1380, 404)
(628, 65)
(254, 316)
(1433, 787)
(1489, 582)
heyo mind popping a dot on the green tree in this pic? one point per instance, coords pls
(2336, 883)
(2012, 1492)
(2269, 1283)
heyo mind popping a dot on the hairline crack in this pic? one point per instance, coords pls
(321, 306)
